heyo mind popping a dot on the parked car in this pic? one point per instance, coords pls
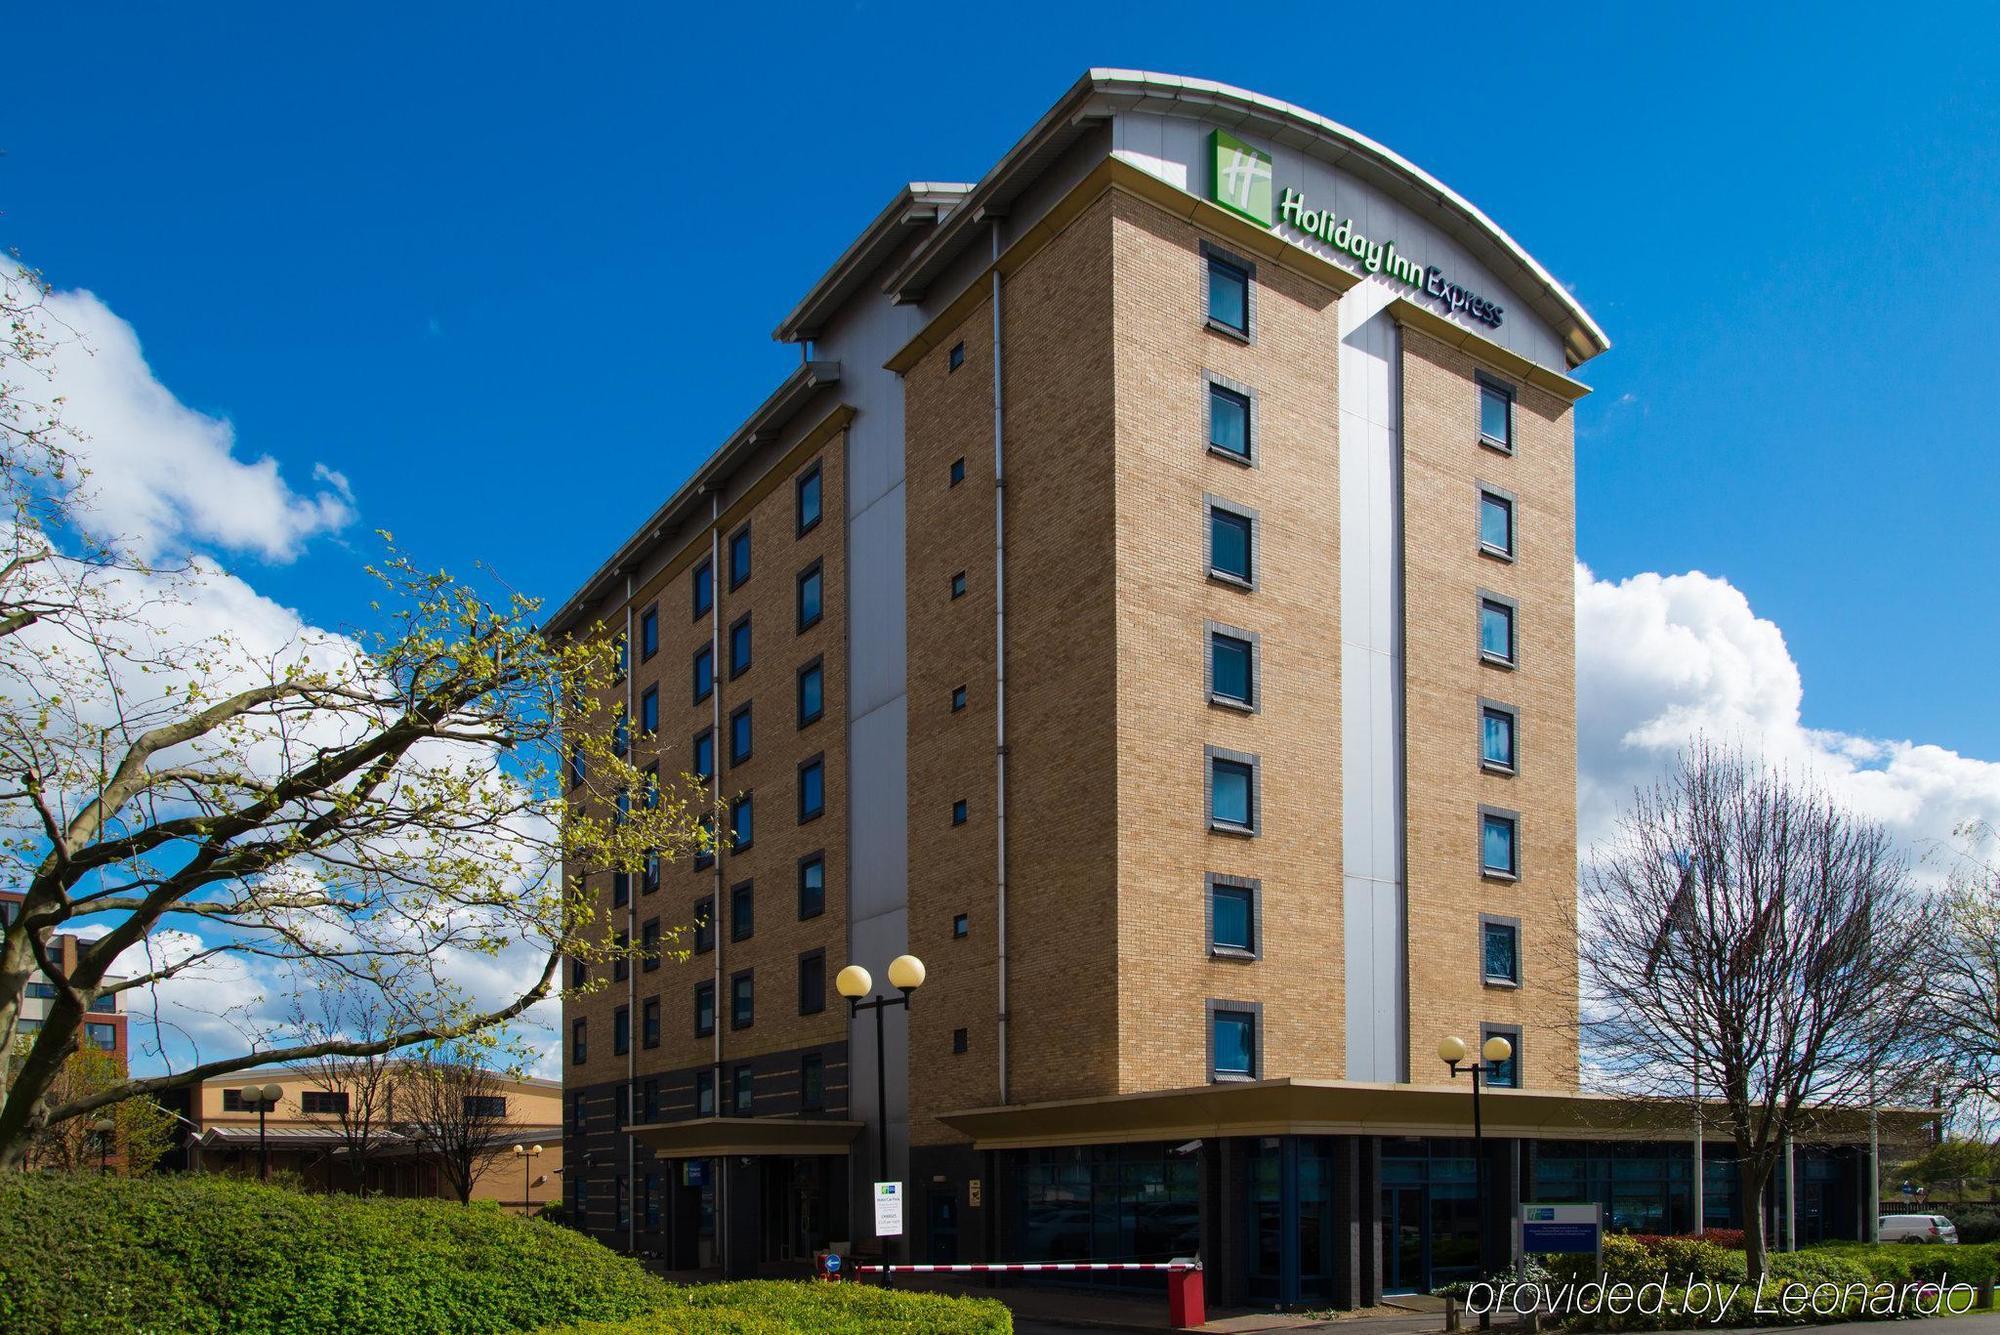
(1916, 1228)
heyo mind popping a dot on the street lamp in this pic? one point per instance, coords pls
(1495, 1051)
(263, 1098)
(906, 975)
(103, 1126)
(527, 1155)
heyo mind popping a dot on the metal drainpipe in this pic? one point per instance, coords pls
(631, 974)
(1000, 666)
(715, 895)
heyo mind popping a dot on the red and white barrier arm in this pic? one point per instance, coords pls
(1029, 1265)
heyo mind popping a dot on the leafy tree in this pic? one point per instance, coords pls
(141, 1130)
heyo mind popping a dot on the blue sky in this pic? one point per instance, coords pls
(512, 270)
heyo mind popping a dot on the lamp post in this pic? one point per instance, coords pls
(527, 1155)
(104, 1126)
(906, 975)
(1494, 1051)
(263, 1098)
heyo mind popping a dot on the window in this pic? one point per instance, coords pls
(576, 764)
(812, 693)
(704, 673)
(958, 812)
(1499, 850)
(960, 1040)
(649, 873)
(1232, 666)
(484, 1105)
(1232, 1041)
(809, 597)
(812, 982)
(323, 1102)
(579, 972)
(705, 851)
(743, 1084)
(1231, 544)
(1500, 950)
(1232, 916)
(624, 657)
(742, 911)
(704, 756)
(621, 736)
(232, 1099)
(577, 1113)
(41, 991)
(1496, 629)
(621, 1031)
(649, 1025)
(579, 1041)
(1496, 415)
(704, 924)
(104, 1036)
(26, 1026)
(649, 633)
(1228, 295)
(649, 1105)
(808, 495)
(958, 585)
(739, 557)
(957, 699)
(812, 789)
(621, 963)
(958, 470)
(104, 1003)
(1496, 522)
(739, 736)
(649, 1197)
(1229, 430)
(742, 1000)
(1232, 792)
(812, 1083)
(956, 358)
(741, 814)
(704, 1093)
(1498, 725)
(961, 925)
(704, 588)
(1507, 1074)
(649, 946)
(704, 1009)
(649, 711)
(739, 646)
(812, 885)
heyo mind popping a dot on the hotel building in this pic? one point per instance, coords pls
(1150, 601)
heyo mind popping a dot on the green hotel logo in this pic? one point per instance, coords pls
(1240, 177)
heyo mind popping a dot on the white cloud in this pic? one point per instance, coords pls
(1662, 658)
(163, 475)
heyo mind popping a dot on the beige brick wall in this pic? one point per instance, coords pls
(1444, 570)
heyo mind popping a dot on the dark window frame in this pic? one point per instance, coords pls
(817, 665)
(1483, 492)
(737, 981)
(1487, 922)
(704, 989)
(744, 802)
(1254, 888)
(817, 762)
(649, 632)
(649, 1022)
(743, 892)
(1513, 714)
(813, 572)
(1212, 256)
(818, 856)
(744, 712)
(649, 704)
(1512, 658)
(621, 1030)
(701, 652)
(703, 576)
(810, 1004)
(1255, 644)
(739, 541)
(812, 474)
(1493, 385)
(649, 946)
(1211, 755)
(1214, 383)
(739, 666)
(1512, 1033)
(1513, 818)
(1215, 1006)
(1211, 505)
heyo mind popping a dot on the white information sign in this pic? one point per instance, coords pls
(888, 1209)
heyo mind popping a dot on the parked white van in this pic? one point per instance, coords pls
(1916, 1228)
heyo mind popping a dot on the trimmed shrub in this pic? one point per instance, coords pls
(778, 1307)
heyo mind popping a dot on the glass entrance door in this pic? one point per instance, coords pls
(1406, 1239)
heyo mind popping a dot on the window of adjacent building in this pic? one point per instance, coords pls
(959, 812)
(958, 470)
(1232, 1043)
(577, 1111)
(958, 585)
(26, 1026)
(649, 633)
(649, 1197)
(961, 1040)
(812, 789)
(739, 735)
(649, 946)
(621, 736)
(1496, 629)
(961, 925)
(812, 1083)
(812, 982)
(812, 885)
(1498, 725)
(744, 1084)
(739, 557)
(1496, 523)
(649, 1104)
(704, 588)
(649, 876)
(323, 1102)
(1229, 421)
(809, 597)
(739, 646)
(1499, 843)
(621, 960)
(812, 693)
(1228, 295)
(808, 495)
(1231, 551)
(704, 1093)
(1500, 950)
(1232, 666)
(956, 358)
(741, 816)
(704, 1009)
(577, 767)
(704, 673)
(624, 657)
(957, 699)
(1496, 415)
(1232, 792)
(649, 711)
(1232, 916)
(579, 972)
(579, 1040)
(649, 1025)
(41, 991)
(742, 911)
(621, 1032)
(104, 1003)
(1507, 1074)
(704, 755)
(742, 1000)
(704, 924)
(621, 889)
(705, 850)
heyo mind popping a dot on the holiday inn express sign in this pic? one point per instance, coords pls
(1240, 181)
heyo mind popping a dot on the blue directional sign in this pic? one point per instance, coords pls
(1569, 1230)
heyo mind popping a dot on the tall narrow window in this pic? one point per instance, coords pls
(808, 500)
(1496, 415)
(1499, 843)
(579, 1041)
(1232, 662)
(704, 924)
(649, 711)
(1232, 792)
(744, 1086)
(704, 1009)
(742, 911)
(1228, 295)
(1232, 916)
(1496, 523)
(809, 596)
(1231, 552)
(649, 946)
(704, 1093)
(704, 588)
(704, 673)
(704, 755)
(739, 557)
(956, 357)
(1233, 1044)
(812, 789)
(1496, 629)
(812, 885)
(1507, 1074)
(1500, 950)
(649, 633)
(649, 1025)
(957, 471)
(1497, 724)
(740, 816)
(812, 693)
(621, 1031)
(739, 736)
(1229, 421)
(739, 646)
(742, 1000)
(812, 1083)
(812, 983)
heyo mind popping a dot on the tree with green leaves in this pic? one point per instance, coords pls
(140, 1129)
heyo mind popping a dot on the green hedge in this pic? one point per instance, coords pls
(775, 1307)
(110, 1255)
